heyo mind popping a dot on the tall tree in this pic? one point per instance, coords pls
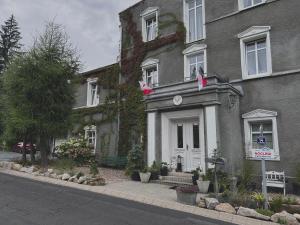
(9, 41)
(43, 88)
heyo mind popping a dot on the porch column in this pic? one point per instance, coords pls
(211, 131)
(151, 138)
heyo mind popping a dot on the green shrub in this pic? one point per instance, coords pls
(281, 221)
(265, 212)
(63, 165)
(238, 199)
(76, 149)
(246, 176)
(94, 168)
(276, 204)
(135, 159)
(259, 198)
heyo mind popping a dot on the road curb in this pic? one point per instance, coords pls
(235, 219)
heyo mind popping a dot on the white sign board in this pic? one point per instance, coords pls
(263, 153)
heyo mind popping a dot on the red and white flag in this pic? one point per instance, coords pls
(202, 81)
(145, 88)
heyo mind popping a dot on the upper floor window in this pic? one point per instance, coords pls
(92, 93)
(250, 3)
(150, 24)
(255, 52)
(194, 19)
(150, 72)
(195, 61)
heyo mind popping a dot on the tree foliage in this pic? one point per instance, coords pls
(9, 41)
(39, 94)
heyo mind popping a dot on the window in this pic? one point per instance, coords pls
(194, 19)
(255, 52)
(150, 72)
(90, 136)
(195, 61)
(179, 136)
(260, 122)
(196, 141)
(244, 4)
(92, 93)
(150, 24)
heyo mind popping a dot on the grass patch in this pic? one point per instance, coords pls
(265, 212)
(61, 166)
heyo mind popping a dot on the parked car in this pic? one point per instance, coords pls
(19, 148)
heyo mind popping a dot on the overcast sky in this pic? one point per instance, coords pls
(93, 25)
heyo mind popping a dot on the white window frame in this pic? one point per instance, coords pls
(186, 21)
(91, 129)
(148, 64)
(91, 81)
(256, 116)
(194, 50)
(254, 34)
(241, 4)
(149, 13)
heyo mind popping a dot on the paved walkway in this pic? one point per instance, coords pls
(150, 194)
(10, 156)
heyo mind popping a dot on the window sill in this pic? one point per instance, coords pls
(250, 7)
(249, 77)
(193, 42)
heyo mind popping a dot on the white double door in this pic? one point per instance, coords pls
(186, 143)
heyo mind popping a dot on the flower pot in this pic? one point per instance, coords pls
(164, 171)
(186, 198)
(154, 175)
(203, 186)
(145, 177)
(135, 176)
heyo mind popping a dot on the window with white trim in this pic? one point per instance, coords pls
(244, 4)
(92, 93)
(150, 72)
(256, 52)
(261, 122)
(194, 19)
(90, 136)
(195, 61)
(150, 24)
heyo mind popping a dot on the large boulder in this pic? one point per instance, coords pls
(65, 176)
(291, 208)
(225, 207)
(96, 181)
(16, 166)
(284, 218)
(7, 165)
(82, 179)
(211, 203)
(297, 216)
(251, 213)
(73, 179)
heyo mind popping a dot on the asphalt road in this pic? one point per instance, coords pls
(27, 202)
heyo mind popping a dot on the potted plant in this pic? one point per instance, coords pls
(145, 175)
(187, 195)
(196, 175)
(203, 184)
(155, 171)
(164, 169)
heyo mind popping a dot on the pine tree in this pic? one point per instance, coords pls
(9, 41)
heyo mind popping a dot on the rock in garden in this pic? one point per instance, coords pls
(53, 175)
(37, 173)
(211, 203)
(297, 216)
(284, 217)
(59, 176)
(7, 165)
(201, 203)
(50, 171)
(23, 169)
(291, 208)
(30, 169)
(82, 179)
(71, 179)
(16, 166)
(225, 207)
(251, 213)
(65, 176)
(96, 181)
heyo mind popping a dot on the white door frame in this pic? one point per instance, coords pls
(166, 131)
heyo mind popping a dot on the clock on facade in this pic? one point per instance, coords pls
(177, 100)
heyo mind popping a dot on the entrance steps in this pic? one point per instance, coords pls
(176, 179)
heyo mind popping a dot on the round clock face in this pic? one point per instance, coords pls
(177, 100)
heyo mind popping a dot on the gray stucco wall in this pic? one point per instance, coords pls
(80, 95)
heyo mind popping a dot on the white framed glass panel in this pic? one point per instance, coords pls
(250, 3)
(195, 62)
(196, 140)
(151, 29)
(151, 76)
(256, 57)
(267, 128)
(195, 19)
(179, 136)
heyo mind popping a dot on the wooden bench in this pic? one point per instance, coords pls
(276, 179)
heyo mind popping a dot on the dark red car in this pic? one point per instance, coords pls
(19, 148)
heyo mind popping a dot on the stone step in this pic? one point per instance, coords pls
(178, 174)
(172, 183)
(179, 179)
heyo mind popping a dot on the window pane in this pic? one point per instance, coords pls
(179, 136)
(199, 22)
(193, 72)
(261, 44)
(247, 3)
(192, 25)
(267, 132)
(250, 47)
(200, 57)
(262, 61)
(251, 63)
(196, 135)
(191, 4)
(198, 2)
(192, 59)
(257, 2)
